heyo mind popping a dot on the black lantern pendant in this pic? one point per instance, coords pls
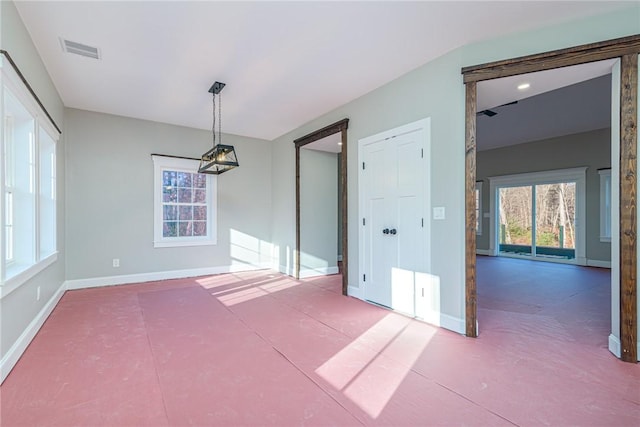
(220, 158)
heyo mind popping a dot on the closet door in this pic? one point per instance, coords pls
(393, 191)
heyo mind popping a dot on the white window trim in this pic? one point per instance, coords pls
(577, 175)
(605, 217)
(161, 163)
(12, 81)
(480, 215)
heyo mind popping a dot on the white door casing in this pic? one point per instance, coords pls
(394, 228)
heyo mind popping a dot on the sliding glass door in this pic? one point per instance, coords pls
(515, 208)
(538, 220)
(555, 220)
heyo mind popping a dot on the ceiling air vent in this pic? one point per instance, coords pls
(80, 49)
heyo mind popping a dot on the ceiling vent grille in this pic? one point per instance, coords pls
(80, 49)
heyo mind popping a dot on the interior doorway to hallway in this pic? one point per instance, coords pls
(323, 137)
(624, 336)
(320, 227)
(538, 159)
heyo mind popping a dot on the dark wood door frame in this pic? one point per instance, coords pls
(340, 126)
(627, 49)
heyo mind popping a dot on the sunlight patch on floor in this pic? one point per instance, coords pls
(248, 290)
(370, 369)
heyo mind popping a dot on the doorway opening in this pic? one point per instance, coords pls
(539, 213)
(312, 254)
(624, 287)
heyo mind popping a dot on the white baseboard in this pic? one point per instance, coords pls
(95, 282)
(432, 317)
(286, 270)
(598, 263)
(454, 324)
(12, 356)
(325, 271)
(486, 252)
(615, 346)
(352, 291)
(445, 321)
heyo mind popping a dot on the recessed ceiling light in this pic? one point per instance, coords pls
(524, 86)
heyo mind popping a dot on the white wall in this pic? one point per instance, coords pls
(110, 198)
(318, 213)
(20, 308)
(434, 90)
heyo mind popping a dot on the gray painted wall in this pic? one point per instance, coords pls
(318, 207)
(433, 90)
(20, 307)
(591, 149)
(110, 197)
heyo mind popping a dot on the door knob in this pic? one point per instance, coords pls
(393, 231)
(385, 231)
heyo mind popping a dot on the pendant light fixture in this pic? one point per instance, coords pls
(220, 158)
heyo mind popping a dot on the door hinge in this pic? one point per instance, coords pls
(362, 165)
(364, 277)
(422, 222)
(363, 221)
(422, 153)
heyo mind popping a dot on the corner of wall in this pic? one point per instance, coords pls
(14, 353)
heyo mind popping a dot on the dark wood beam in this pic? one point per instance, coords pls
(628, 204)
(336, 127)
(470, 211)
(555, 59)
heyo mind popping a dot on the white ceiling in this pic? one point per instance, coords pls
(284, 63)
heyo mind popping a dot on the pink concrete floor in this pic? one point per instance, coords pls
(260, 348)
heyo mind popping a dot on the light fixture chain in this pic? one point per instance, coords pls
(220, 118)
(214, 120)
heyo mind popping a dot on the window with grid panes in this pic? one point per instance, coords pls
(184, 203)
(27, 178)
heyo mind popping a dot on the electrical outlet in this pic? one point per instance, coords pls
(38, 294)
(116, 262)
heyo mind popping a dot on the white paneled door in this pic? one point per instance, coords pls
(393, 192)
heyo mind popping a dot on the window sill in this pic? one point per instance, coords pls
(184, 243)
(19, 276)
